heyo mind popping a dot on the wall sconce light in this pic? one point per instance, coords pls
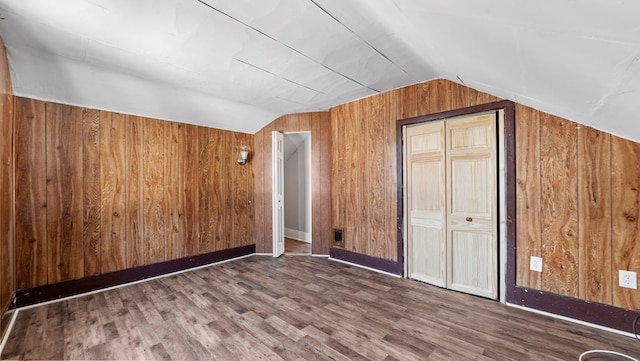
(244, 154)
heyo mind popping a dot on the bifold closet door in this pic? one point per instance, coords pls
(472, 249)
(425, 199)
(451, 203)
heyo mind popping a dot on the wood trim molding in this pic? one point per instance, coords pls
(510, 182)
(380, 264)
(35, 295)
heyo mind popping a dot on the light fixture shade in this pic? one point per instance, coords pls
(244, 154)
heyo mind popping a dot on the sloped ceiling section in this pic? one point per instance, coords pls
(239, 64)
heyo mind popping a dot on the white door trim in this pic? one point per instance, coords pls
(277, 169)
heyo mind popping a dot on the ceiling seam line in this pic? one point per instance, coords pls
(276, 75)
(287, 46)
(359, 37)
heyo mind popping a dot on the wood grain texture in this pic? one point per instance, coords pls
(355, 188)
(174, 190)
(205, 189)
(113, 216)
(92, 191)
(239, 195)
(191, 180)
(153, 191)
(351, 139)
(31, 193)
(221, 209)
(249, 215)
(319, 310)
(320, 185)
(375, 171)
(7, 189)
(594, 231)
(528, 194)
(102, 192)
(64, 192)
(390, 247)
(134, 194)
(559, 205)
(625, 217)
(408, 101)
(338, 171)
(259, 190)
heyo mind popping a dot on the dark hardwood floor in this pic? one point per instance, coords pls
(294, 308)
(295, 246)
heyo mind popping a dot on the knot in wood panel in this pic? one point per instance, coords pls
(630, 217)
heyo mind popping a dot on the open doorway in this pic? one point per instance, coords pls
(297, 193)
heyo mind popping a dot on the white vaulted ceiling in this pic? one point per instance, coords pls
(239, 64)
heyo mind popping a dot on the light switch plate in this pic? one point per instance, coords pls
(535, 264)
(628, 279)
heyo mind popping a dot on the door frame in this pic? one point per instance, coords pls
(506, 185)
(277, 169)
(309, 195)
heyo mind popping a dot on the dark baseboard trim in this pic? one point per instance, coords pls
(380, 264)
(35, 295)
(591, 312)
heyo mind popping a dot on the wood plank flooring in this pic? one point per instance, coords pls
(294, 308)
(295, 246)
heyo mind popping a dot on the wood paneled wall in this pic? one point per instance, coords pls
(364, 167)
(7, 187)
(578, 205)
(318, 124)
(98, 192)
(577, 194)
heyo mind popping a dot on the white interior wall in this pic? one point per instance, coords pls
(297, 190)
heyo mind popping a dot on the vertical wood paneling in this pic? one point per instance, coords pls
(220, 206)
(528, 195)
(559, 205)
(153, 191)
(407, 101)
(423, 95)
(7, 187)
(439, 97)
(239, 193)
(64, 192)
(321, 201)
(31, 194)
(114, 191)
(92, 190)
(353, 176)
(594, 222)
(625, 217)
(102, 192)
(359, 178)
(205, 189)
(134, 195)
(338, 170)
(374, 113)
(191, 180)
(249, 214)
(390, 174)
(259, 190)
(174, 190)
